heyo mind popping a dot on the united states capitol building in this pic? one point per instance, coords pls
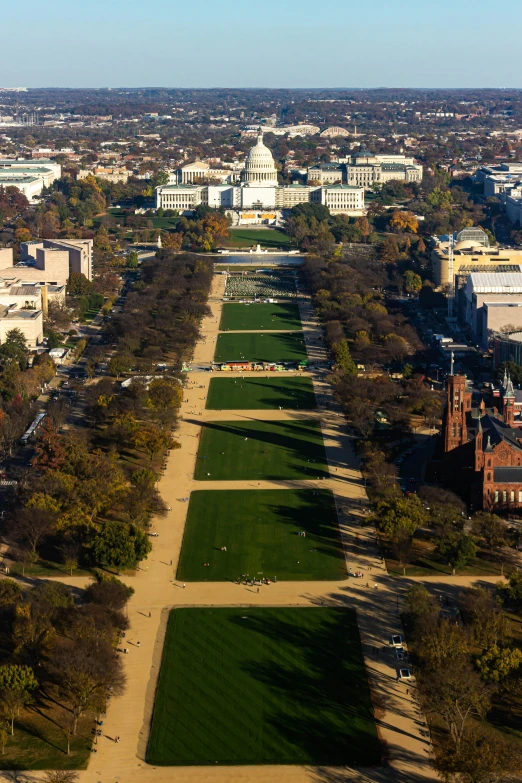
(257, 197)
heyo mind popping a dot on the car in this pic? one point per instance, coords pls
(400, 653)
(413, 481)
(404, 674)
(396, 640)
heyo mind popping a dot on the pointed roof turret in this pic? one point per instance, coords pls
(510, 392)
(505, 381)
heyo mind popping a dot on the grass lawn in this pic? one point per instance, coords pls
(253, 393)
(256, 347)
(266, 237)
(237, 317)
(263, 686)
(259, 529)
(231, 450)
(40, 743)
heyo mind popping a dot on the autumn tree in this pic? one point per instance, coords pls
(404, 221)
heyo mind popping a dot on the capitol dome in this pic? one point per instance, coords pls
(259, 168)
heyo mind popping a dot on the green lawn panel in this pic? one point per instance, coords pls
(263, 686)
(261, 450)
(255, 393)
(260, 531)
(256, 347)
(238, 317)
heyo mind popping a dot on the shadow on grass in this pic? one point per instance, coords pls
(329, 715)
(303, 439)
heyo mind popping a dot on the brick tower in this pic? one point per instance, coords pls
(459, 403)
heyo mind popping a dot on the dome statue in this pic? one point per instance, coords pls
(259, 168)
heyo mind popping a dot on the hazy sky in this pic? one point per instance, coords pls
(273, 43)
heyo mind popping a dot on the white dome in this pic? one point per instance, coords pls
(259, 165)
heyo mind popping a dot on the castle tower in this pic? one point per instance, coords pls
(459, 403)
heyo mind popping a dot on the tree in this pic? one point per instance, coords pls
(33, 631)
(61, 776)
(120, 545)
(481, 612)
(30, 525)
(122, 362)
(132, 260)
(412, 282)
(58, 316)
(83, 671)
(78, 285)
(109, 592)
(484, 756)
(457, 693)
(49, 453)
(343, 358)
(497, 663)
(404, 221)
(402, 546)
(400, 515)
(389, 250)
(16, 684)
(153, 440)
(160, 178)
(10, 592)
(420, 604)
(491, 528)
(165, 394)
(14, 346)
(4, 736)
(458, 549)
(511, 594)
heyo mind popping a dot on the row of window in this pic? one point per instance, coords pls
(503, 496)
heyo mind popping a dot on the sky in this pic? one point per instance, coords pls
(249, 43)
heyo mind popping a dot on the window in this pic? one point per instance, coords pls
(520, 495)
(512, 495)
(504, 496)
(496, 496)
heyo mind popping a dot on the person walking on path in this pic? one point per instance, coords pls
(184, 585)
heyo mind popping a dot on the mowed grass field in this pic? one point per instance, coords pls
(260, 531)
(257, 347)
(263, 686)
(254, 393)
(266, 237)
(231, 450)
(243, 317)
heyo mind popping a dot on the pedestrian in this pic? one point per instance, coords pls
(138, 644)
(258, 589)
(171, 562)
(150, 615)
(125, 650)
(184, 585)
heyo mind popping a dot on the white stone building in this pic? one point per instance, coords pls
(29, 176)
(258, 190)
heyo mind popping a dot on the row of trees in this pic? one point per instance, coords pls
(467, 668)
(81, 502)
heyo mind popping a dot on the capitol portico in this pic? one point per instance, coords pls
(259, 190)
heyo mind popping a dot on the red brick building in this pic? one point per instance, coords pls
(483, 447)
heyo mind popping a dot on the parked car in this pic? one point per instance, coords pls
(404, 674)
(396, 640)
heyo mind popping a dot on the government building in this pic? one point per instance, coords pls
(257, 191)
